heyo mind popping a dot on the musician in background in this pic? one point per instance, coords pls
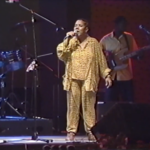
(115, 43)
(85, 65)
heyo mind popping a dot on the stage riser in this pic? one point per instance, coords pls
(10, 127)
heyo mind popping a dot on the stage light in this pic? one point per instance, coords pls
(46, 147)
(12, 1)
(70, 147)
(54, 147)
(62, 147)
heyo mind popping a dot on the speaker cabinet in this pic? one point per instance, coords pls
(130, 119)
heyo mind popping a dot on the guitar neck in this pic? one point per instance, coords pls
(134, 53)
(129, 56)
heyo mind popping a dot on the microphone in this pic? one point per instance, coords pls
(144, 29)
(69, 36)
(11, 1)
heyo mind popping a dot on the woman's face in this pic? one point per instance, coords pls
(80, 27)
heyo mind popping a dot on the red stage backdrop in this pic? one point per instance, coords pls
(137, 12)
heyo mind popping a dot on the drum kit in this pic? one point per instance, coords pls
(9, 61)
(12, 60)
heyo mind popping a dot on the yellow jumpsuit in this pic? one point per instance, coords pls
(83, 67)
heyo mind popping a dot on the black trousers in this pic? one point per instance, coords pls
(120, 90)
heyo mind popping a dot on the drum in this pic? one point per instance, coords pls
(13, 60)
(1, 60)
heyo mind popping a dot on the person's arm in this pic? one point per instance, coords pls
(65, 49)
(104, 70)
(108, 55)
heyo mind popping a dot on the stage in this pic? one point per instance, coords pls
(43, 142)
(41, 139)
(58, 142)
(16, 134)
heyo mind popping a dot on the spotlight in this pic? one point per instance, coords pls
(46, 147)
(62, 147)
(12, 1)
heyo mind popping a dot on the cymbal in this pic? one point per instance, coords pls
(27, 22)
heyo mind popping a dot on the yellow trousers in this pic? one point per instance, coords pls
(77, 97)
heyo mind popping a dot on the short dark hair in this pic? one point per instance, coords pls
(120, 19)
(85, 21)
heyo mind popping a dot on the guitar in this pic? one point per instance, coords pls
(115, 60)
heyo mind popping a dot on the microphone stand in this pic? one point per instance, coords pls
(35, 134)
(25, 85)
(146, 32)
(148, 38)
(34, 13)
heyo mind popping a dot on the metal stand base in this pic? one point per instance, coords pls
(5, 101)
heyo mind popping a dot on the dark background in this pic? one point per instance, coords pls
(51, 98)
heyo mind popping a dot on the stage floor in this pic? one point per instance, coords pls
(41, 139)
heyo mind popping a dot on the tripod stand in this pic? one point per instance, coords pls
(35, 75)
(4, 100)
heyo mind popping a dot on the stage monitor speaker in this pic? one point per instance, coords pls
(20, 126)
(130, 119)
